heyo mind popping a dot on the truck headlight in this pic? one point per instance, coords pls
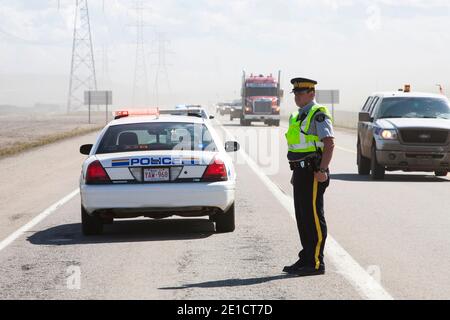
(388, 134)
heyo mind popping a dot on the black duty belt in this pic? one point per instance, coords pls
(311, 162)
(304, 164)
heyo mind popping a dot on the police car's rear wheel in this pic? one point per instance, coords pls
(363, 162)
(377, 171)
(225, 221)
(442, 173)
(90, 225)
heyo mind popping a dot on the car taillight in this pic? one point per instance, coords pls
(216, 171)
(96, 174)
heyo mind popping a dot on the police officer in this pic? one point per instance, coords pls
(310, 140)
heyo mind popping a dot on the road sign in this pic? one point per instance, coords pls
(97, 97)
(327, 96)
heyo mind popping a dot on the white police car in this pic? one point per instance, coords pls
(157, 166)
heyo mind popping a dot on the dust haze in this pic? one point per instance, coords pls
(357, 47)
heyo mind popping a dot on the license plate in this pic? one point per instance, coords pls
(156, 174)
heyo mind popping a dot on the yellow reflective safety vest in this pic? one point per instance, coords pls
(298, 139)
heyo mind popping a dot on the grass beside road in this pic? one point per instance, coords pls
(44, 140)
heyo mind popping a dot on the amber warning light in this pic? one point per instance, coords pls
(136, 112)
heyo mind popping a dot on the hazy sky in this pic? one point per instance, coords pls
(355, 46)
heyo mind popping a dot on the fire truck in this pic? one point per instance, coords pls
(261, 98)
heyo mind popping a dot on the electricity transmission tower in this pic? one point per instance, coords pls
(105, 79)
(161, 69)
(103, 68)
(140, 83)
(82, 72)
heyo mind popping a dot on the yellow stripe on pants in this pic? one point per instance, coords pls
(316, 220)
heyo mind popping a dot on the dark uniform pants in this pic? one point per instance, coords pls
(309, 212)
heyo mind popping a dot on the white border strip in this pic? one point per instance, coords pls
(367, 286)
(44, 214)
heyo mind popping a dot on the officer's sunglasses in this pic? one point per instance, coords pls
(299, 93)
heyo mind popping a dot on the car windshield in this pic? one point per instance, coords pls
(157, 136)
(260, 92)
(414, 107)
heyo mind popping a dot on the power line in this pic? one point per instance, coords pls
(140, 82)
(103, 67)
(82, 72)
(161, 69)
(17, 39)
(59, 5)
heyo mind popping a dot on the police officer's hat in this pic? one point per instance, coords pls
(303, 84)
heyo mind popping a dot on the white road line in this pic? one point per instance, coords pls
(346, 150)
(337, 147)
(44, 214)
(367, 286)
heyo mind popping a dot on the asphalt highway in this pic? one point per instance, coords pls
(389, 239)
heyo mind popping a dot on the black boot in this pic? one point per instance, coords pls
(292, 269)
(310, 271)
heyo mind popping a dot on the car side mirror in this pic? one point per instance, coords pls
(211, 117)
(86, 149)
(232, 146)
(365, 117)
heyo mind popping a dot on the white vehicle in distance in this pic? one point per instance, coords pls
(188, 111)
(200, 109)
(157, 166)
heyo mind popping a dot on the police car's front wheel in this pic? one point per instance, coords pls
(225, 221)
(90, 225)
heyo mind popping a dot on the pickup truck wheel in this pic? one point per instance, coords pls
(440, 173)
(377, 171)
(363, 162)
(276, 123)
(90, 225)
(225, 221)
